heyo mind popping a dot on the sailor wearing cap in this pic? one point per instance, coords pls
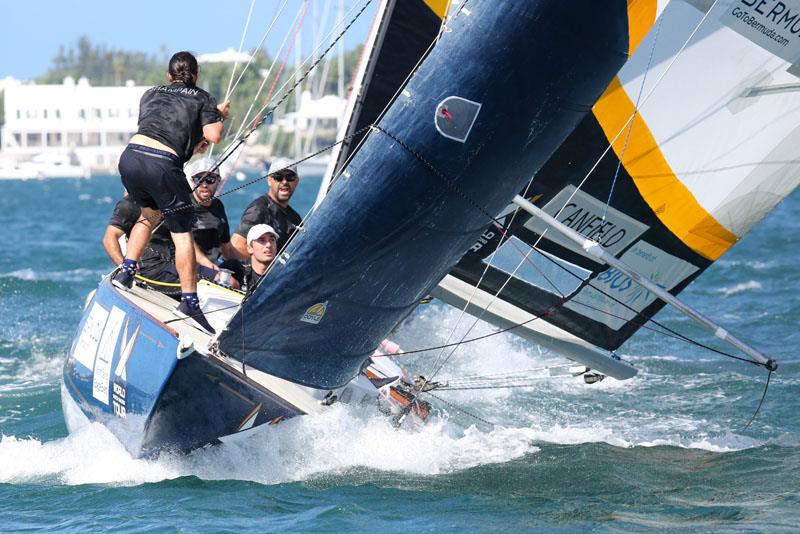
(272, 208)
(262, 247)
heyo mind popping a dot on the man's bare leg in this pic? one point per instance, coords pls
(140, 233)
(186, 265)
(185, 261)
(140, 236)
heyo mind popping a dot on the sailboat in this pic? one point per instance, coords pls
(515, 96)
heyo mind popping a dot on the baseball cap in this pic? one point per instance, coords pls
(282, 163)
(259, 230)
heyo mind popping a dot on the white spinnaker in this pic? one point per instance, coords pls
(712, 147)
(726, 118)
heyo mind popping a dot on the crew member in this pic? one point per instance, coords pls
(173, 120)
(262, 247)
(272, 208)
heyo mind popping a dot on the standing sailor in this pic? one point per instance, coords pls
(174, 119)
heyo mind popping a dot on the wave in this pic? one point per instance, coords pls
(739, 288)
(71, 275)
(650, 410)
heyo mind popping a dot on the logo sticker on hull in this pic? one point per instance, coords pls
(315, 313)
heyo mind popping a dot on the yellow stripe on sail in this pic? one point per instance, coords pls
(671, 201)
(641, 16)
(438, 6)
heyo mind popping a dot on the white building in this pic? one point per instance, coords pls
(93, 123)
(320, 114)
(226, 56)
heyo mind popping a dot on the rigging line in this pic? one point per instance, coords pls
(529, 370)
(338, 24)
(388, 104)
(526, 258)
(310, 57)
(319, 59)
(669, 332)
(644, 101)
(241, 44)
(763, 396)
(510, 379)
(236, 63)
(297, 21)
(257, 120)
(464, 342)
(491, 386)
(177, 319)
(278, 13)
(462, 410)
(241, 140)
(297, 24)
(635, 111)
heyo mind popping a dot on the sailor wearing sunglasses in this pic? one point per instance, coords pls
(272, 208)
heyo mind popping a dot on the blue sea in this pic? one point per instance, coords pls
(665, 450)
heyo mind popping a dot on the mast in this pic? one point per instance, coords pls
(597, 251)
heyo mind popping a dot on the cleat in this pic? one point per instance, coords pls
(186, 311)
(123, 280)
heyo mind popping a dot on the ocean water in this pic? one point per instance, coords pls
(665, 450)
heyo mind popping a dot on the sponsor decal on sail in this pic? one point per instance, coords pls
(613, 299)
(591, 218)
(771, 24)
(315, 313)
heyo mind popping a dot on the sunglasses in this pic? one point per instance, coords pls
(210, 180)
(288, 176)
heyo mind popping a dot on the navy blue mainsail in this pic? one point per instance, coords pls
(499, 93)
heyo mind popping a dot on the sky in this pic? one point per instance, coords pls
(32, 31)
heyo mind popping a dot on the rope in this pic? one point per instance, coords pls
(228, 91)
(763, 396)
(635, 111)
(460, 409)
(229, 150)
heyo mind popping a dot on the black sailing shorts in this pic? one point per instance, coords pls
(154, 179)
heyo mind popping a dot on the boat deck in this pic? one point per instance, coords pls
(219, 304)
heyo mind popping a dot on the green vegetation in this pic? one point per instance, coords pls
(105, 66)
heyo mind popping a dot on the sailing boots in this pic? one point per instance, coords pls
(189, 308)
(123, 278)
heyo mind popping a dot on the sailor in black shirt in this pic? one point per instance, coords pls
(273, 208)
(159, 253)
(210, 229)
(125, 215)
(174, 120)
